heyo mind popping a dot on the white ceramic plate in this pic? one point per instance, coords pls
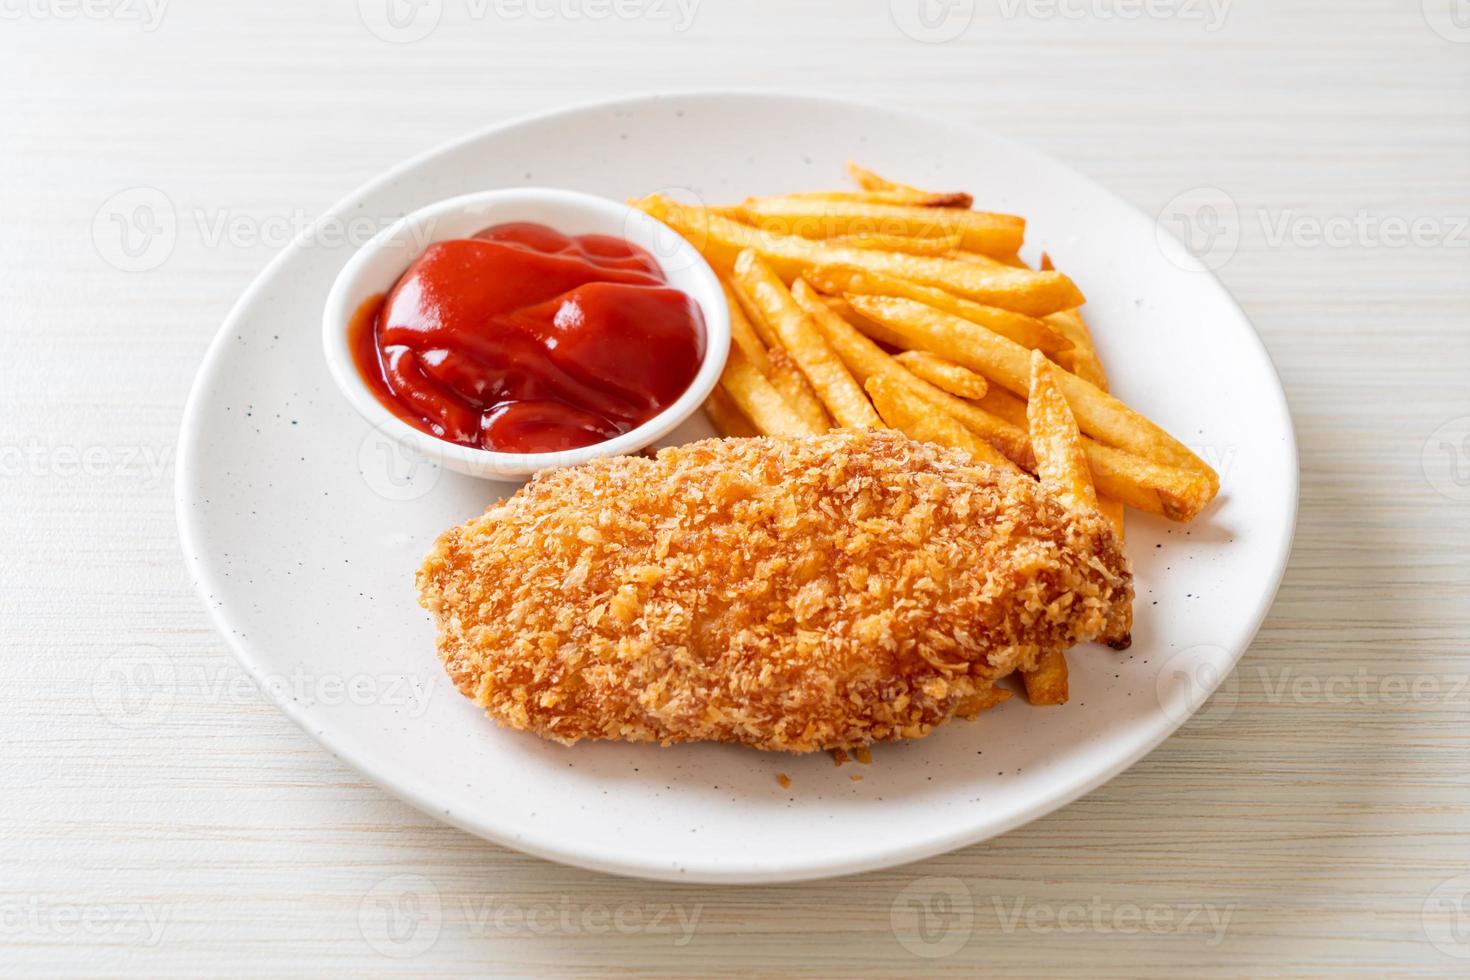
(303, 527)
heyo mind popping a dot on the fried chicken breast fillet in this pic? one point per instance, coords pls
(791, 594)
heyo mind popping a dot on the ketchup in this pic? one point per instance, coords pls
(521, 339)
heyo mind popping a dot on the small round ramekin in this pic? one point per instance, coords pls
(379, 263)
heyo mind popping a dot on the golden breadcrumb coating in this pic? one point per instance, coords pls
(794, 594)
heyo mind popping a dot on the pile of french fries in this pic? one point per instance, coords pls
(894, 306)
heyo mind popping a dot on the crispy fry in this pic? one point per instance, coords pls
(954, 378)
(725, 415)
(720, 240)
(877, 331)
(983, 232)
(1119, 632)
(753, 316)
(1061, 462)
(937, 245)
(1024, 330)
(998, 401)
(1007, 363)
(1082, 359)
(866, 359)
(1114, 511)
(742, 332)
(760, 401)
(922, 199)
(799, 335)
(873, 183)
(1046, 683)
(1062, 466)
(797, 390)
(919, 420)
(1000, 419)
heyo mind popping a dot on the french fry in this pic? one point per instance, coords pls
(759, 400)
(938, 245)
(1061, 463)
(1046, 683)
(923, 199)
(1062, 466)
(873, 183)
(797, 390)
(954, 378)
(1024, 330)
(1119, 633)
(922, 421)
(998, 401)
(983, 232)
(1082, 359)
(726, 416)
(972, 705)
(1003, 361)
(1113, 511)
(803, 340)
(866, 359)
(720, 240)
(743, 334)
(782, 370)
(753, 316)
(877, 331)
(1000, 419)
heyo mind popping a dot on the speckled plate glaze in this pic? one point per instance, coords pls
(303, 528)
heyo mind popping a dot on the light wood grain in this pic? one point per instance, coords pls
(1318, 819)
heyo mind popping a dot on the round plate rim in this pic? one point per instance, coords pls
(791, 871)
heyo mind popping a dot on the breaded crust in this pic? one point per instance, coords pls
(791, 594)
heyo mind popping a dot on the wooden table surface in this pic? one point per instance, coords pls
(1314, 820)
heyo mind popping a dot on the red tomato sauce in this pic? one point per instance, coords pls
(523, 340)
